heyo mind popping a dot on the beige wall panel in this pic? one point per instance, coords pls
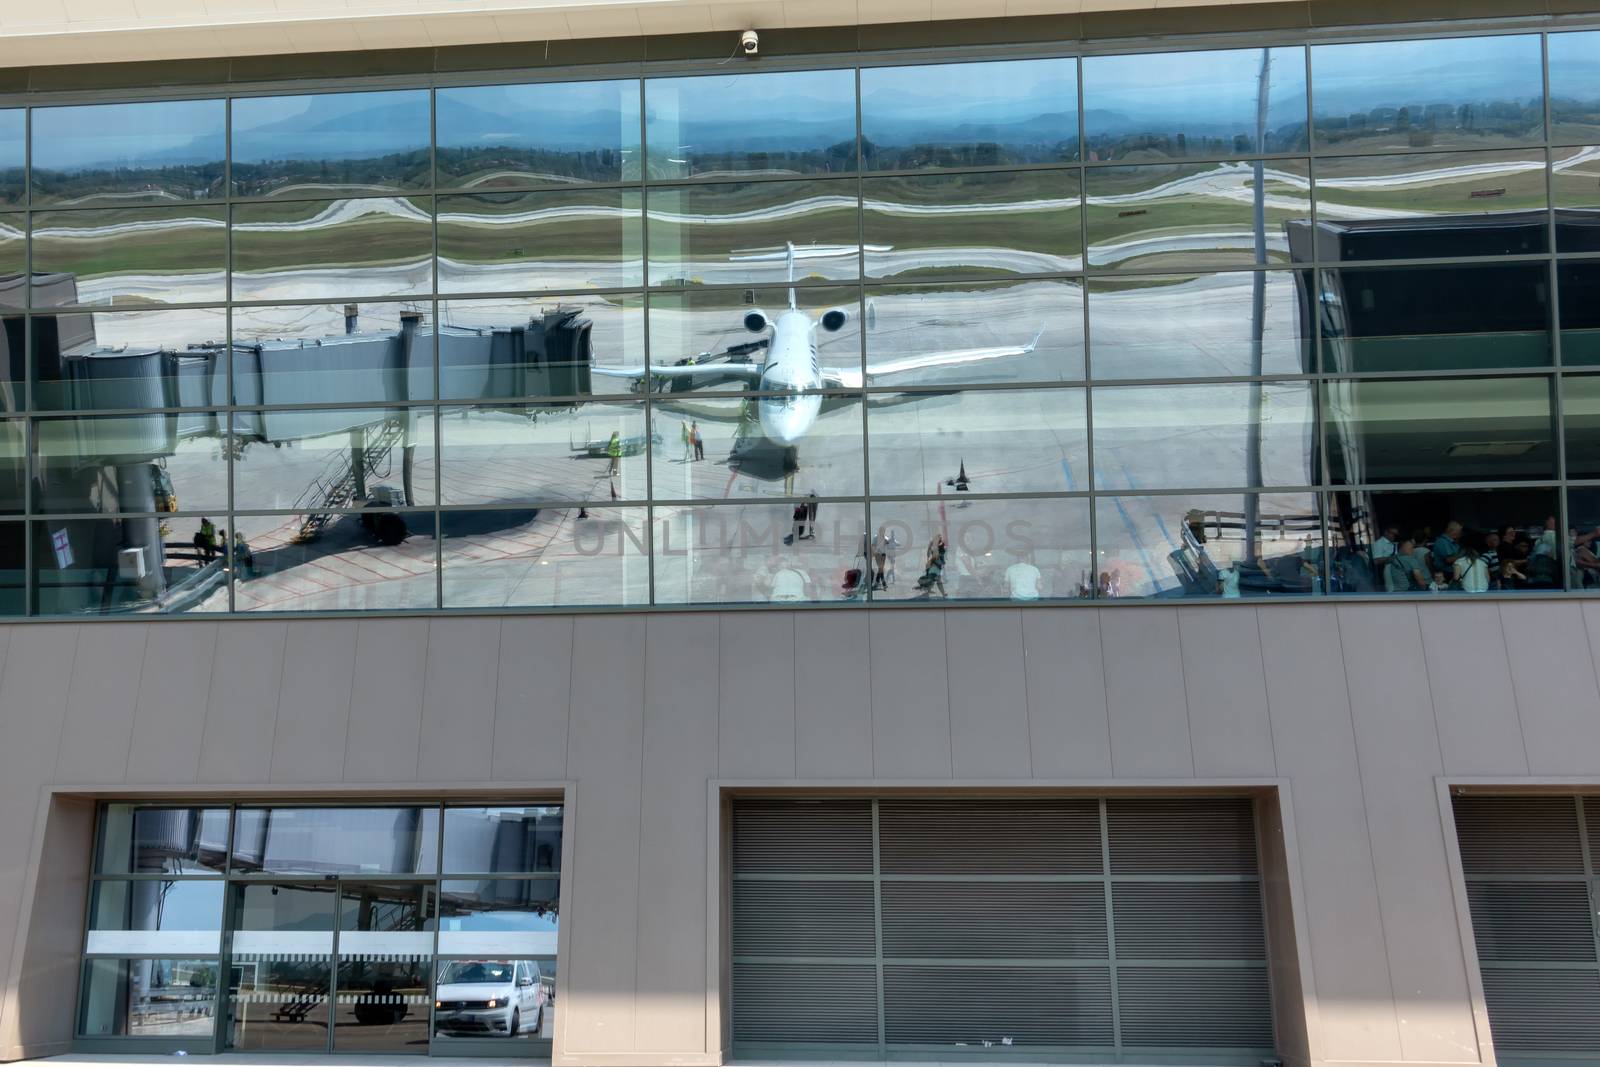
(1065, 672)
(756, 736)
(1145, 694)
(33, 703)
(680, 758)
(47, 963)
(174, 687)
(101, 701)
(386, 700)
(605, 757)
(242, 710)
(1315, 741)
(1553, 669)
(988, 694)
(458, 700)
(532, 698)
(910, 696)
(319, 663)
(1398, 748)
(1229, 728)
(1474, 703)
(833, 695)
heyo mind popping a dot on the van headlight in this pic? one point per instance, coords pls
(494, 1003)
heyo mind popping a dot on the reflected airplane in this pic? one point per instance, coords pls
(791, 369)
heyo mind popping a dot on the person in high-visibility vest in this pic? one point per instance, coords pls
(614, 450)
(205, 541)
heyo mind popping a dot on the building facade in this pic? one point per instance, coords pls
(920, 535)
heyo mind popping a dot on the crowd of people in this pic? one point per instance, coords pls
(1469, 561)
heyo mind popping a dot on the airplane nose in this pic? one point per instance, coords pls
(785, 421)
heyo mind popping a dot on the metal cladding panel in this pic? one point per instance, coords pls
(803, 919)
(811, 837)
(989, 836)
(788, 1002)
(1195, 1007)
(1532, 921)
(1542, 1010)
(1183, 835)
(1060, 1006)
(995, 920)
(1518, 835)
(1189, 920)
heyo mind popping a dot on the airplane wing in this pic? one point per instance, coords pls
(850, 378)
(746, 372)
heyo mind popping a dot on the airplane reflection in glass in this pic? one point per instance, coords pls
(791, 370)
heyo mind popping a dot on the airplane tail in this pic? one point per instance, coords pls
(789, 260)
(1031, 345)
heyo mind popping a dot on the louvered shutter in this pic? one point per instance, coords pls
(1531, 891)
(998, 923)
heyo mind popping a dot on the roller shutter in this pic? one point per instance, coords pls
(1086, 927)
(1529, 864)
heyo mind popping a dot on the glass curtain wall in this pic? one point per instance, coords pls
(1292, 320)
(297, 929)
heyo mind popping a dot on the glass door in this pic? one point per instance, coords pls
(385, 960)
(281, 970)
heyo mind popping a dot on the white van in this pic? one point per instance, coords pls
(491, 998)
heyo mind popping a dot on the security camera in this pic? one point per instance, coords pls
(750, 42)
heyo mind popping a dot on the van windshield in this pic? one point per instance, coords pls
(496, 971)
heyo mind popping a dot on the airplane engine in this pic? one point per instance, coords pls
(756, 321)
(833, 320)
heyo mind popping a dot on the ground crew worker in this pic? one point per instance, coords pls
(614, 450)
(205, 541)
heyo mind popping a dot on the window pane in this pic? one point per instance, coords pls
(1444, 204)
(383, 1002)
(134, 359)
(13, 153)
(973, 441)
(740, 232)
(1580, 414)
(975, 332)
(1466, 92)
(1175, 436)
(1575, 182)
(282, 955)
(1205, 104)
(507, 915)
(130, 463)
(979, 550)
(516, 242)
(14, 265)
(13, 573)
(141, 840)
(1217, 546)
(332, 458)
(129, 153)
(333, 840)
(934, 226)
(514, 840)
(1472, 540)
(1438, 430)
(503, 136)
(164, 998)
(1200, 325)
(523, 992)
(749, 446)
(969, 114)
(151, 916)
(526, 453)
(129, 256)
(714, 327)
(500, 349)
(791, 122)
(324, 353)
(1580, 313)
(758, 553)
(13, 465)
(1574, 87)
(1171, 215)
(546, 558)
(332, 250)
(120, 567)
(1583, 512)
(331, 144)
(378, 559)
(1435, 318)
